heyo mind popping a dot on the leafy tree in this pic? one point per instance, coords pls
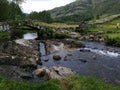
(4, 8)
(10, 10)
(43, 16)
(15, 12)
(34, 16)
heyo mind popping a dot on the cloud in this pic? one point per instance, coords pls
(40, 5)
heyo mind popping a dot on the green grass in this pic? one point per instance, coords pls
(106, 28)
(113, 39)
(4, 36)
(55, 25)
(106, 18)
(70, 83)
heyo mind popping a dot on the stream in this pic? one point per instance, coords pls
(95, 59)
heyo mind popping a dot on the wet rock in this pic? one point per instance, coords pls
(69, 54)
(40, 72)
(23, 42)
(83, 60)
(57, 45)
(45, 59)
(55, 72)
(65, 58)
(56, 57)
(28, 67)
(84, 50)
(74, 35)
(26, 76)
(94, 57)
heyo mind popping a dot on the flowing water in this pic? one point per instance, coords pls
(96, 59)
(42, 49)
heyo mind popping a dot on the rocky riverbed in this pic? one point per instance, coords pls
(18, 59)
(95, 59)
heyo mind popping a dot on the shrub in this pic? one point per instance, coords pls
(16, 34)
(4, 36)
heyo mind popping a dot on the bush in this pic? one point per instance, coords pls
(4, 36)
(50, 34)
(16, 34)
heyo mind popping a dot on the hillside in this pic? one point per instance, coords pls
(85, 10)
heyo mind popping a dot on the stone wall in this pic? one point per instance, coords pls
(4, 26)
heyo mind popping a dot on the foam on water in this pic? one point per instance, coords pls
(103, 52)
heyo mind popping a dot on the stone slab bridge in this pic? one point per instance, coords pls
(6, 26)
(39, 28)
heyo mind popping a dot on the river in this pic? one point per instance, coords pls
(95, 59)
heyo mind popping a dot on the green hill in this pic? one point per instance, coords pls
(85, 10)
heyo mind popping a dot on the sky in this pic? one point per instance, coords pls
(40, 5)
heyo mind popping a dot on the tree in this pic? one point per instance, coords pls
(15, 12)
(10, 10)
(18, 1)
(4, 8)
(43, 16)
(34, 16)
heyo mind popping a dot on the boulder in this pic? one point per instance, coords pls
(83, 60)
(56, 57)
(45, 59)
(26, 76)
(84, 50)
(65, 58)
(55, 72)
(40, 72)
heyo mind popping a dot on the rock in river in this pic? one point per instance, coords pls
(83, 60)
(56, 57)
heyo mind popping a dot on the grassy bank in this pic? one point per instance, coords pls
(55, 25)
(112, 39)
(110, 31)
(71, 83)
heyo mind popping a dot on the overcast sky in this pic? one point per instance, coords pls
(40, 5)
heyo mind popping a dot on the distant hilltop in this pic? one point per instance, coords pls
(85, 10)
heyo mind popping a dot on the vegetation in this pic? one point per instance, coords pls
(43, 16)
(17, 34)
(55, 25)
(109, 29)
(71, 83)
(48, 33)
(113, 39)
(10, 10)
(4, 36)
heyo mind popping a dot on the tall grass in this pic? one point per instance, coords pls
(70, 83)
(112, 39)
